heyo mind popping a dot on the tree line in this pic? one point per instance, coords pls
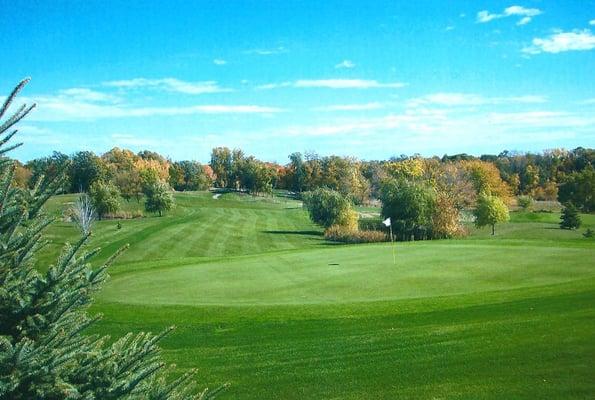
(564, 175)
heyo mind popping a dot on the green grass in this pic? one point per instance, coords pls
(261, 301)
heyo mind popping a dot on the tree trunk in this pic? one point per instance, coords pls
(493, 229)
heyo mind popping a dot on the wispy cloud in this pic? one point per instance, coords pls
(439, 130)
(170, 85)
(592, 22)
(345, 84)
(470, 99)
(351, 107)
(269, 86)
(526, 14)
(267, 52)
(219, 61)
(576, 40)
(345, 64)
(84, 94)
(333, 84)
(69, 105)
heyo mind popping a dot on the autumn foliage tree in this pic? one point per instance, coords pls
(486, 179)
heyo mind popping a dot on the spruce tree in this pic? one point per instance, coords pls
(44, 352)
(570, 218)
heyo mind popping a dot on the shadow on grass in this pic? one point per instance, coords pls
(311, 233)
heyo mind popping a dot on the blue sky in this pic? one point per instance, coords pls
(371, 79)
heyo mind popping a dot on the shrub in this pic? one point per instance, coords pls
(525, 202)
(337, 233)
(371, 224)
(124, 215)
(348, 219)
(589, 233)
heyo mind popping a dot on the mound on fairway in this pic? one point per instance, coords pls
(260, 300)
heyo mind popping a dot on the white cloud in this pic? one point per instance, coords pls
(332, 84)
(469, 99)
(485, 16)
(84, 94)
(522, 11)
(592, 22)
(449, 28)
(269, 86)
(577, 40)
(447, 130)
(513, 11)
(64, 107)
(345, 84)
(351, 107)
(267, 52)
(169, 84)
(524, 21)
(219, 61)
(345, 64)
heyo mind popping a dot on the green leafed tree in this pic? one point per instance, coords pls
(490, 210)
(570, 219)
(85, 169)
(44, 350)
(328, 207)
(159, 197)
(410, 206)
(105, 198)
(221, 164)
(579, 189)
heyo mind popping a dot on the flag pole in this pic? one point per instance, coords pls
(392, 240)
(388, 222)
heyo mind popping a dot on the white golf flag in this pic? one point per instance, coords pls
(386, 222)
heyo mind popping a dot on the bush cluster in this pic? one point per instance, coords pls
(337, 233)
(372, 224)
(124, 215)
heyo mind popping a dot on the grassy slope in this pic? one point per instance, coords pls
(509, 316)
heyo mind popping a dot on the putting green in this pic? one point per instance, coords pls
(349, 274)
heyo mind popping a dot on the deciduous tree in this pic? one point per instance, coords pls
(490, 210)
(159, 197)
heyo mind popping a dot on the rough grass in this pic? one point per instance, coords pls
(260, 300)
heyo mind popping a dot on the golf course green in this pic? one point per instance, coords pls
(260, 300)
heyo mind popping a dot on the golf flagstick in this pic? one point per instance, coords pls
(387, 222)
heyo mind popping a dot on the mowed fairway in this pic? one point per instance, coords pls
(261, 301)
